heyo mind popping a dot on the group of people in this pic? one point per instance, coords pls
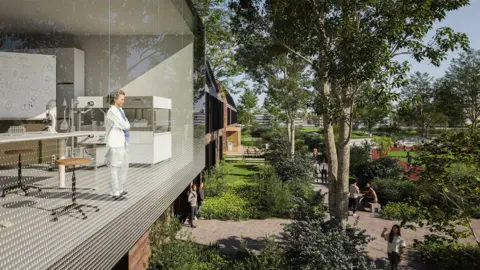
(320, 169)
(355, 196)
(195, 199)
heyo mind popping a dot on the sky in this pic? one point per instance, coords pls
(464, 20)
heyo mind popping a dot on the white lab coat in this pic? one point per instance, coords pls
(117, 149)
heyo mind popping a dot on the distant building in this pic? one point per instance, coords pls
(265, 119)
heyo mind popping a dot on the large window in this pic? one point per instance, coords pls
(148, 48)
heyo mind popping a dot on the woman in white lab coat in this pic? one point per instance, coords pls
(117, 137)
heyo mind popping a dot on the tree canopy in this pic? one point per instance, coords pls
(346, 44)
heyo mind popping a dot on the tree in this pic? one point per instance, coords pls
(373, 105)
(448, 104)
(346, 44)
(418, 105)
(247, 108)
(287, 84)
(462, 81)
(220, 42)
(385, 144)
(450, 183)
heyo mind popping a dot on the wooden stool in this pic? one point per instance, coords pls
(19, 185)
(74, 205)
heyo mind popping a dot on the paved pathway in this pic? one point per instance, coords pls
(228, 234)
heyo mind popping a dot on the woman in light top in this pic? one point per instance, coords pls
(395, 246)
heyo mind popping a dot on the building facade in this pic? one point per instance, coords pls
(221, 130)
(146, 48)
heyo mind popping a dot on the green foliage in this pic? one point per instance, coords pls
(271, 258)
(220, 42)
(298, 167)
(227, 206)
(440, 255)
(313, 243)
(270, 195)
(168, 252)
(395, 190)
(418, 105)
(359, 156)
(346, 45)
(247, 108)
(461, 87)
(400, 211)
(186, 255)
(313, 140)
(382, 168)
(449, 183)
(385, 144)
(374, 105)
(214, 182)
(164, 230)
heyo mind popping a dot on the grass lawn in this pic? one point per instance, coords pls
(401, 155)
(310, 129)
(249, 138)
(238, 173)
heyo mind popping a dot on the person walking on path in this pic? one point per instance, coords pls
(409, 161)
(324, 175)
(395, 246)
(353, 197)
(192, 199)
(201, 199)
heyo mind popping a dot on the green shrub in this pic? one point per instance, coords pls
(394, 190)
(300, 167)
(441, 255)
(227, 206)
(270, 196)
(214, 182)
(385, 144)
(400, 211)
(313, 243)
(271, 258)
(359, 156)
(382, 168)
(186, 255)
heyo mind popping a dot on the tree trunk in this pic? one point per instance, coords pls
(343, 168)
(291, 138)
(331, 151)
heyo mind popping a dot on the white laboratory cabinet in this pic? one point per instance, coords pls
(150, 132)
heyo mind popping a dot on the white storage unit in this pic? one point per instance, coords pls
(150, 133)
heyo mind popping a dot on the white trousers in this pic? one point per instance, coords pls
(118, 163)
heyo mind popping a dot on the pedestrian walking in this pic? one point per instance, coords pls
(324, 175)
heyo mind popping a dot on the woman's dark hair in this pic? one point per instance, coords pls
(390, 236)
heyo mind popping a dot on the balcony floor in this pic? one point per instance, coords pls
(33, 241)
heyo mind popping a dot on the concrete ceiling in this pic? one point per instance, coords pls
(92, 17)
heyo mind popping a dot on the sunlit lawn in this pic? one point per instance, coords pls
(401, 155)
(238, 173)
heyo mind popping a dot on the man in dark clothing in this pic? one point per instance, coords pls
(201, 198)
(324, 174)
(409, 160)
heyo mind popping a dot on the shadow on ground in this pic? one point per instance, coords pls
(249, 167)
